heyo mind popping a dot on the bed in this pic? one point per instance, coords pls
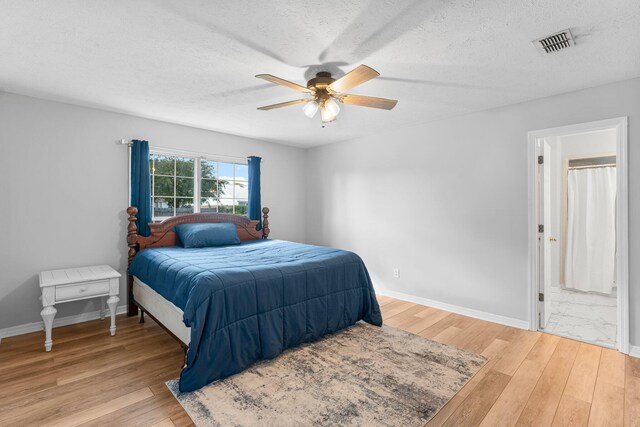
(230, 306)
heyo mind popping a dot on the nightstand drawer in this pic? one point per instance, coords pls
(82, 290)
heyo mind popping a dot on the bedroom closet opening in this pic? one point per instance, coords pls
(577, 237)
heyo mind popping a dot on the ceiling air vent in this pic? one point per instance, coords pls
(555, 42)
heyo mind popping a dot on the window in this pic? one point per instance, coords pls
(172, 185)
(182, 185)
(224, 187)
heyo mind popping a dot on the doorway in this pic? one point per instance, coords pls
(578, 238)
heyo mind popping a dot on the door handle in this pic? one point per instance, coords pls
(553, 239)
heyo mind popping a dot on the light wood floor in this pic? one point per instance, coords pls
(530, 379)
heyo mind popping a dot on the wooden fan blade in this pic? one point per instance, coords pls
(353, 78)
(283, 82)
(368, 101)
(284, 104)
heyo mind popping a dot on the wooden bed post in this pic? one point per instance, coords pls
(265, 223)
(132, 242)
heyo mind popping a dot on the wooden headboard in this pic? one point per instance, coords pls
(162, 234)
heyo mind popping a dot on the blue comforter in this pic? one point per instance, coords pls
(252, 301)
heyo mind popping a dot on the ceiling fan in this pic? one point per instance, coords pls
(325, 90)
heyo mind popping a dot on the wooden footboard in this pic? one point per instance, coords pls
(162, 234)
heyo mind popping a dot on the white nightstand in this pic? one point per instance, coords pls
(73, 284)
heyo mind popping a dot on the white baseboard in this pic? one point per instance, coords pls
(634, 351)
(477, 314)
(62, 321)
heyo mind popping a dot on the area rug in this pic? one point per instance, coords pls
(361, 376)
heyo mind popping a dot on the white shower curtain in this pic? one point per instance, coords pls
(591, 230)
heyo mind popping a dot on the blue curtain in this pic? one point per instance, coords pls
(255, 205)
(141, 184)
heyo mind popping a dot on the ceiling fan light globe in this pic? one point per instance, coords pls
(326, 115)
(332, 107)
(310, 109)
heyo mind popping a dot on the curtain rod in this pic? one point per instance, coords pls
(181, 152)
(592, 161)
(592, 166)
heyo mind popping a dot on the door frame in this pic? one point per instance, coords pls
(620, 124)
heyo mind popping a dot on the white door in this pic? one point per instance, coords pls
(544, 222)
(546, 289)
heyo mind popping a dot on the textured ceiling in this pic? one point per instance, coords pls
(193, 62)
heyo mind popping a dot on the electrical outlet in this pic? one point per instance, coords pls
(396, 273)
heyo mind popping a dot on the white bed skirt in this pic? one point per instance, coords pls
(163, 310)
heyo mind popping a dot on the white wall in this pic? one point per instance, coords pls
(457, 227)
(588, 144)
(64, 191)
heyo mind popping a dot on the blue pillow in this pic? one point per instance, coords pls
(203, 235)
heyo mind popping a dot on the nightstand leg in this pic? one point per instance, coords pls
(112, 302)
(48, 313)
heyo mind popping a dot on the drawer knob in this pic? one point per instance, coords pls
(83, 289)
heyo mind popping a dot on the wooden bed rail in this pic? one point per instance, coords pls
(162, 234)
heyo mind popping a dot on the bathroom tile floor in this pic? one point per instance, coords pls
(583, 316)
